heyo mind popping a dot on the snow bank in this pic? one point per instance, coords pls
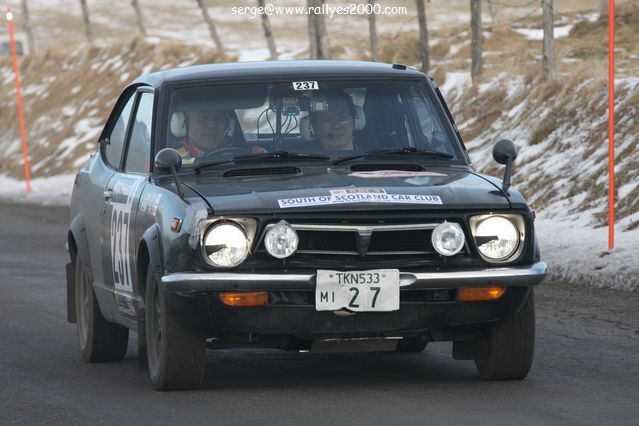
(560, 130)
(53, 190)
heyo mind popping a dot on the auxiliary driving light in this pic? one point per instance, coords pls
(281, 240)
(448, 238)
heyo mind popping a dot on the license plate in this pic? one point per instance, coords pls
(361, 291)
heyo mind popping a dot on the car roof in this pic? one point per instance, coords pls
(278, 70)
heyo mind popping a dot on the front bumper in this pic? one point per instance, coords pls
(519, 276)
(194, 298)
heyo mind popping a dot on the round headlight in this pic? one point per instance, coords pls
(497, 237)
(448, 238)
(226, 245)
(281, 240)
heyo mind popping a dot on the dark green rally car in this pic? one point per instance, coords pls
(304, 205)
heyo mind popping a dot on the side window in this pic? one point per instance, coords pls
(115, 141)
(139, 151)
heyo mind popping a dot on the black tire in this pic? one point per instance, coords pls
(505, 351)
(100, 340)
(176, 355)
(411, 346)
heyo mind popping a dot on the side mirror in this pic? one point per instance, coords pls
(169, 159)
(505, 152)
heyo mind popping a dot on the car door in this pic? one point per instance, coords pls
(122, 198)
(91, 184)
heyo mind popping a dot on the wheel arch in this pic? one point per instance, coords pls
(149, 252)
(77, 239)
(78, 246)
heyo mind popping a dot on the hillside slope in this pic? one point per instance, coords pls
(69, 95)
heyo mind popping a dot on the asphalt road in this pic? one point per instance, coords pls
(586, 368)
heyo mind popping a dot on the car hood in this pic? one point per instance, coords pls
(316, 189)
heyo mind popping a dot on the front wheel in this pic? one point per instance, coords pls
(100, 340)
(505, 351)
(176, 355)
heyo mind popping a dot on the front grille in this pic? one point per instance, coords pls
(327, 241)
(417, 241)
(365, 240)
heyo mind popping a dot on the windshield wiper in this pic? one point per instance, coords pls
(263, 155)
(407, 150)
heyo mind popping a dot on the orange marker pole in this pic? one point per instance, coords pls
(611, 124)
(23, 127)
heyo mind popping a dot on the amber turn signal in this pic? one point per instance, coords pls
(480, 294)
(244, 298)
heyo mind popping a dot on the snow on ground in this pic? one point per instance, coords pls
(538, 34)
(577, 253)
(455, 80)
(53, 190)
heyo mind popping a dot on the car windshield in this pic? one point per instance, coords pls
(338, 120)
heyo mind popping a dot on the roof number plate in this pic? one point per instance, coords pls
(305, 85)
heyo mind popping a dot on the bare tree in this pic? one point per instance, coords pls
(549, 41)
(138, 16)
(324, 48)
(477, 67)
(492, 10)
(211, 25)
(603, 7)
(268, 34)
(312, 31)
(27, 26)
(372, 29)
(424, 49)
(319, 47)
(87, 22)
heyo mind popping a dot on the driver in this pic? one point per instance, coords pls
(334, 127)
(208, 131)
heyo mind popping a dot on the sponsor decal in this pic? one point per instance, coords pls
(358, 191)
(149, 202)
(394, 173)
(322, 200)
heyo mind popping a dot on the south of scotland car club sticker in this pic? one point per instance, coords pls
(359, 197)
